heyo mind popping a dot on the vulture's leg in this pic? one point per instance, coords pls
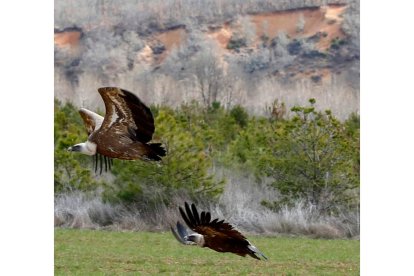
(96, 162)
(100, 164)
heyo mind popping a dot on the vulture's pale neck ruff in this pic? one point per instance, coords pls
(88, 148)
(197, 238)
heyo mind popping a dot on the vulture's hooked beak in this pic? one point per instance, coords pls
(74, 148)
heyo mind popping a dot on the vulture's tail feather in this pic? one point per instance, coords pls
(157, 151)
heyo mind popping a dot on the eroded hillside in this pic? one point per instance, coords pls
(251, 60)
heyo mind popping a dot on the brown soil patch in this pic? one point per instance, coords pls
(67, 39)
(170, 39)
(335, 12)
(221, 35)
(145, 55)
(325, 19)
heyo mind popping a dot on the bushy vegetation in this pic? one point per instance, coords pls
(310, 157)
(336, 43)
(236, 43)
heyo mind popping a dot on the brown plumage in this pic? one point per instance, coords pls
(124, 132)
(214, 234)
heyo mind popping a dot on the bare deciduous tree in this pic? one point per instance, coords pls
(208, 73)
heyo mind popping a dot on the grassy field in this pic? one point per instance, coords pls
(88, 252)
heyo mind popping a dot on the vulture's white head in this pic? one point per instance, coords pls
(197, 238)
(88, 148)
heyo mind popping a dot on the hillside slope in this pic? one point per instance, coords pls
(252, 59)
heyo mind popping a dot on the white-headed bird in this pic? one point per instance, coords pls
(124, 132)
(214, 234)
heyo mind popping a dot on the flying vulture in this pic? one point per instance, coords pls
(124, 132)
(217, 235)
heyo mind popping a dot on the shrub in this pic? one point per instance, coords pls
(311, 156)
(314, 54)
(336, 43)
(236, 43)
(294, 47)
(240, 115)
(316, 78)
(265, 39)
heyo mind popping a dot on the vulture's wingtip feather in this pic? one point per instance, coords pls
(177, 236)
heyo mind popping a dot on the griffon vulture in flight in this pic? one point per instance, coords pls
(217, 235)
(124, 132)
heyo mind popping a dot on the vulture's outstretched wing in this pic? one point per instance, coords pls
(91, 120)
(126, 114)
(181, 234)
(202, 224)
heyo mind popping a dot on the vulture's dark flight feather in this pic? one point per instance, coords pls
(217, 235)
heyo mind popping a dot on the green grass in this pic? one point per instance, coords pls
(87, 252)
